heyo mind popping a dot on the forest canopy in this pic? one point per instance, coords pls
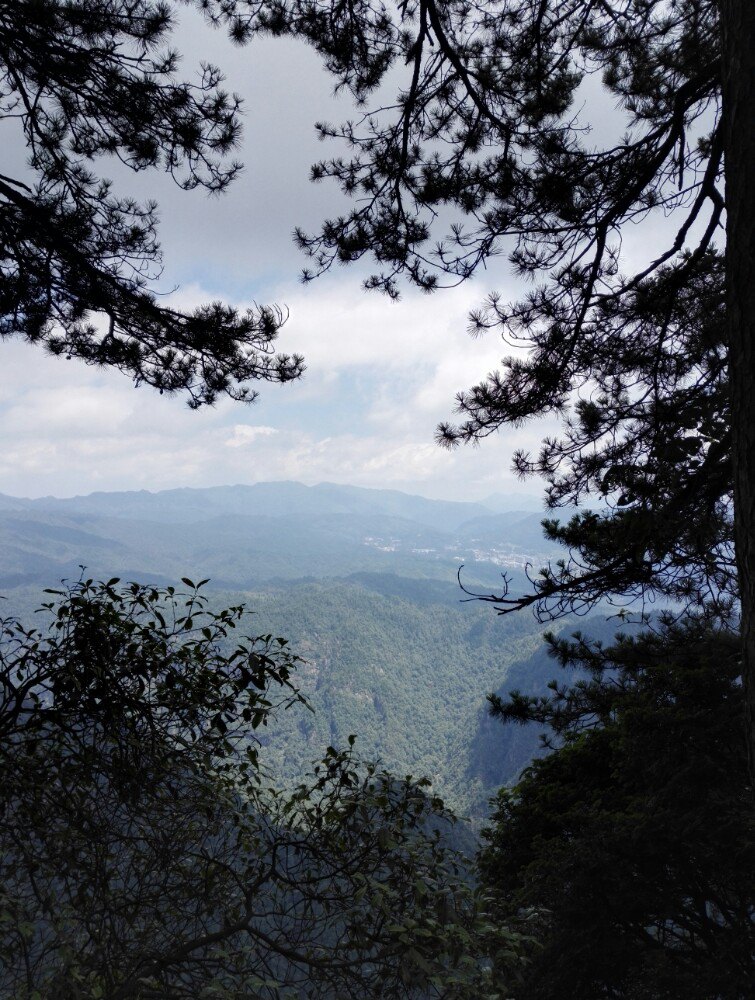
(147, 852)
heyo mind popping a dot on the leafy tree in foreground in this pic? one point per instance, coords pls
(486, 151)
(145, 854)
(633, 839)
(84, 80)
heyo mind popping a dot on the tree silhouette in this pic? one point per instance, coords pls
(146, 851)
(78, 262)
(630, 844)
(486, 151)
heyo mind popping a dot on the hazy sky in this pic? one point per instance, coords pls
(380, 374)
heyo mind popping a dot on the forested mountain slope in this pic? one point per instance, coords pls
(362, 583)
(408, 672)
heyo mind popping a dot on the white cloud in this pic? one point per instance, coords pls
(380, 377)
(380, 374)
(245, 434)
(339, 327)
(87, 411)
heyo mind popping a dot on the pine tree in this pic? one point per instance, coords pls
(627, 850)
(486, 151)
(87, 80)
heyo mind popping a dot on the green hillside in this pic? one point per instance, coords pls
(362, 583)
(402, 663)
(407, 675)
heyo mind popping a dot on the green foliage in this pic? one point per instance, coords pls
(405, 665)
(146, 853)
(139, 662)
(631, 843)
(77, 261)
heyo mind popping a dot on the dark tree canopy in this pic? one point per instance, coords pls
(86, 81)
(147, 853)
(655, 445)
(631, 843)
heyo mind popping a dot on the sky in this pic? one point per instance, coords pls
(380, 375)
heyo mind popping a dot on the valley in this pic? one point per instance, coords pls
(363, 585)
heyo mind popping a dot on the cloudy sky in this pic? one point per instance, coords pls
(380, 375)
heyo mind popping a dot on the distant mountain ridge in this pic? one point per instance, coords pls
(248, 535)
(274, 499)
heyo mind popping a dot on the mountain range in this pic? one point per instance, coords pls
(362, 583)
(243, 536)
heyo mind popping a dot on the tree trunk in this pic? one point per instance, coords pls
(738, 78)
